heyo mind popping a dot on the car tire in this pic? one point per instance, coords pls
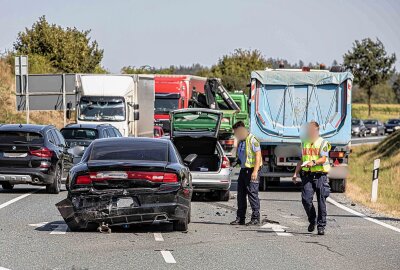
(224, 195)
(182, 224)
(338, 185)
(55, 187)
(7, 186)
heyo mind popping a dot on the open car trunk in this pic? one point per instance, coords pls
(208, 157)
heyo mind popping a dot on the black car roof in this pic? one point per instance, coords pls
(91, 126)
(24, 127)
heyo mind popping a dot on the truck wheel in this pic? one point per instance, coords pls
(7, 186)
(273, 181)
(55, 187)
(224, 195)
(338, 185)
(262, 184)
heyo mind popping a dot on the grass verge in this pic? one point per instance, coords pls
(360, 179)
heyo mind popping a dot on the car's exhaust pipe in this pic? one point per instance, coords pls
(35, 180)
(161, 218)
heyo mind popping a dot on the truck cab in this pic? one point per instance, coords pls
(174, 92)
(282, 101)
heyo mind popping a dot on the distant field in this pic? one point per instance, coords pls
(360, 179)
(379, 111)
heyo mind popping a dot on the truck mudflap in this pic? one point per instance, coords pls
(91, 209)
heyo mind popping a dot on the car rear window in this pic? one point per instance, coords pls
(394, 122)
(79, 133)
(132, 150)
(14, 137)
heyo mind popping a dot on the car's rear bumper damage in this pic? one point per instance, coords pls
(120, 207)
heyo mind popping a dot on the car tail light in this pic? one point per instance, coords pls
(83, 180)
(158, 177)
(281, 159)
(336, 154)
(42, 152)
(306, 69)
(227, 142)
(225, 163)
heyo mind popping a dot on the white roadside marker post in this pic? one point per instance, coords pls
(375, 176)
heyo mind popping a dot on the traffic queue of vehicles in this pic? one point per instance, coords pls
(373, 127)
(122, 181)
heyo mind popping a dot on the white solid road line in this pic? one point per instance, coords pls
(278, 229)
(332, 201)
(2, 268)
(18, 198)
(167, 255)
(158, 237)
(60, 229)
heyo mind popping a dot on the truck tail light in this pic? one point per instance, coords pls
(336, 154)
(42, 152)
(157, 177)
(264, 153)
(225, 163)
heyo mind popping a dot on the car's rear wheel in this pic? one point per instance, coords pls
(55, 187)
(7, 186)
(182, 224)
(224, 195)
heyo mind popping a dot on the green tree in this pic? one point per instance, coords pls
(234, 69)
(396, 88)
(370, 64)
(64, 49)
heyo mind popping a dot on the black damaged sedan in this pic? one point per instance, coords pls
(122, 181)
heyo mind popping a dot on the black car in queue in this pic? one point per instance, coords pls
(124, 181)
(33, 154)
(79, 136)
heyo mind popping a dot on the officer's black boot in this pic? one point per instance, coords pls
(321, 230)
(311, 227)
(238, 221)
(253, 222)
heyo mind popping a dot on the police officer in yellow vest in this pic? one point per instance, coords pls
(313, 169)
(249, 156)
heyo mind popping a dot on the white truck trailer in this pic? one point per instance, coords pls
(124, 101)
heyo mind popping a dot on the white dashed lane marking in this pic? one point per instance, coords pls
(167, 255)
(60, 229)
(17, 199)
(278, 229)
(2, 268)
(158, 237)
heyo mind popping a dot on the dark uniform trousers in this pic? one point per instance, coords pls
(315, 183)
(247, 188)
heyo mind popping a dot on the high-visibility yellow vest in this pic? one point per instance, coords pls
(311, 151)
(250, 154)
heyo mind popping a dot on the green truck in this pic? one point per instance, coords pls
(226, 138)
(234, 107)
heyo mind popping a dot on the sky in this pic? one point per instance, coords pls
(178, 32)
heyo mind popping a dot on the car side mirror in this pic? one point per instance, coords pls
(189, 159)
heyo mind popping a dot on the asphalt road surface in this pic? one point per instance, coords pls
(367, 140)
(34, 236)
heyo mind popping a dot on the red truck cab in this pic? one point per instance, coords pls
(174, 92)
